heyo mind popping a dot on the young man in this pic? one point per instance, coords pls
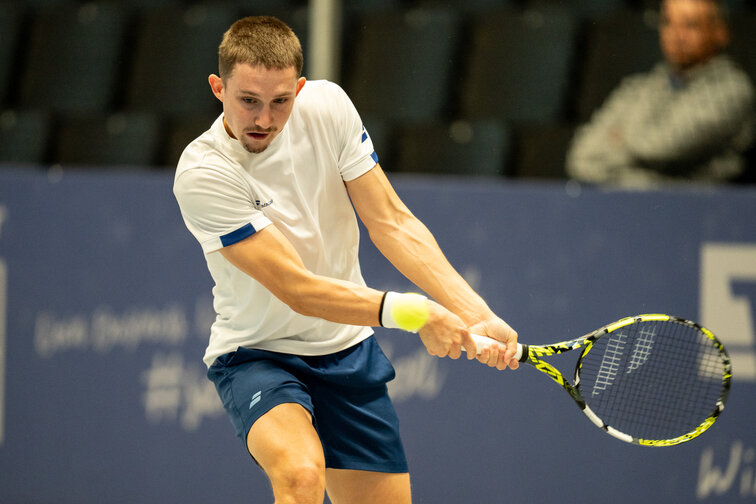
(690, 119)
(270, 192)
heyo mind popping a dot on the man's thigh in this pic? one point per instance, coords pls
(283, 440)
(346, 486)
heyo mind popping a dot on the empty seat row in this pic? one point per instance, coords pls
(516, 67)
(418, 63)
(141, 139)
(97, 56)
(133, 139)
(509, 64)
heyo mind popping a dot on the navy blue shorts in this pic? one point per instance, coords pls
(344, 392)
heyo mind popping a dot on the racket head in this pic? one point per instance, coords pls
(653, 380)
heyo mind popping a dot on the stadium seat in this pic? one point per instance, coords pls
(371, 5)
(34, 4)
(24, 136)
(10, 27)
(124, 139)
(743, 47)
(617, 45)
(457, 147)
(180, 131)
(260, 7)
(468, 6)
(399, 63)
(519, 65)
(540, 150)
(142, 5)
(74, 57)
(586, 9)
(176, 49)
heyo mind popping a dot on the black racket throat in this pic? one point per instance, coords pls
(524, 355)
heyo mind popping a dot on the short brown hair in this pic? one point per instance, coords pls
(259, 41)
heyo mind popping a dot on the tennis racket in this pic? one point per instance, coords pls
(652, 380)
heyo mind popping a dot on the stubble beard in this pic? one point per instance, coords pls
(258, 149)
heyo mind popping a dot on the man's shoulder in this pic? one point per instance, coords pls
(206, 156)
(723, 74)
(726, 65)
(319, 87)
(320, 96)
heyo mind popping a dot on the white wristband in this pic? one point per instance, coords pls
(404, 311)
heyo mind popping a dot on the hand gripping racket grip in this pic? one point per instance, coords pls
(481, 341)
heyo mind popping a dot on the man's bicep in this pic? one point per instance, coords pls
(375, 201)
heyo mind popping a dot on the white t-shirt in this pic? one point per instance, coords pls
(227, 194)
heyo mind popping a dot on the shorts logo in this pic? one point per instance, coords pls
(255, 399)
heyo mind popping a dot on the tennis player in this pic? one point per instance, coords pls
(270, 192)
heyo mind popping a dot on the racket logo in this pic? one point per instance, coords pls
(641, 350)
(610, 364)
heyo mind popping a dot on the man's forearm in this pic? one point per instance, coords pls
(412, 249)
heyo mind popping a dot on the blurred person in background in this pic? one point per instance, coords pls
(691, 118)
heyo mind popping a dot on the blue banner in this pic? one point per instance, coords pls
(105, 307)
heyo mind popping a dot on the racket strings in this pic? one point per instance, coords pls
(653, 379)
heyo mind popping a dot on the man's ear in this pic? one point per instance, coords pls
(300, 84)
(216, 84)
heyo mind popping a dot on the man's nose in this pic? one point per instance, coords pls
(265, 118)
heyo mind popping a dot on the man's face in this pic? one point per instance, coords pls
(691, 32)
(257, 102)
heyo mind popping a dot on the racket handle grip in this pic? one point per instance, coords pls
(482, 341)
